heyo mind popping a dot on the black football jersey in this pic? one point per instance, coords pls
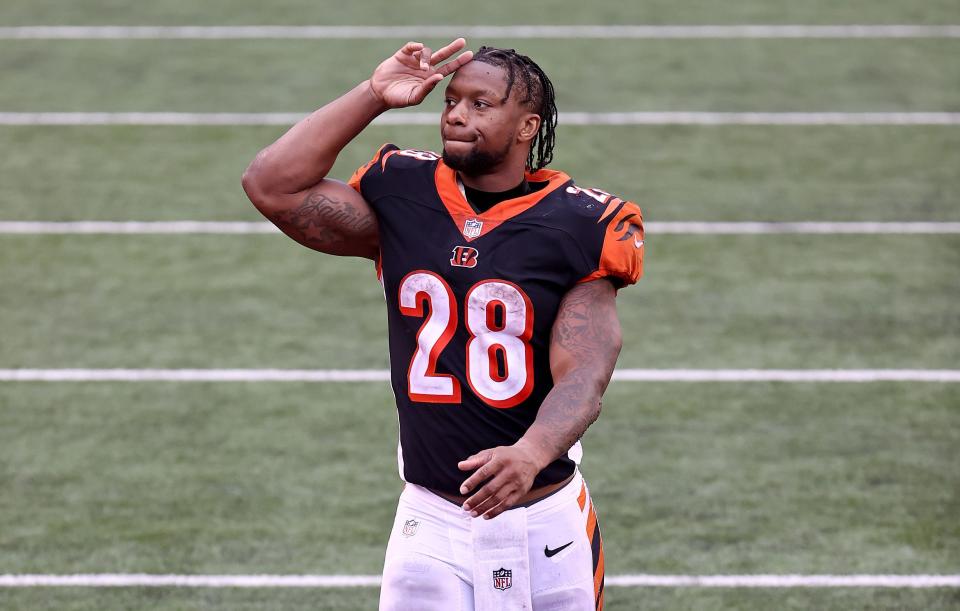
(472, 297)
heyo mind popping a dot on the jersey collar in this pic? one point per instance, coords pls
(473, 225)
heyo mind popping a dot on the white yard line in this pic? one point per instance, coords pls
(194, 375)
(135, 227)
(787, 375)
(171, 118)
(480, 31)
(748, 228)
(433, 119)
(652, 228)
(382, 375)
(787, 581)
(112, 580)
(760, 118)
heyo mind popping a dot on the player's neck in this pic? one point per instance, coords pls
(494, 182)
(481, 201)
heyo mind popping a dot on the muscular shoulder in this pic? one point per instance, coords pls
(393, 168)
(579, 204)
(608, 228)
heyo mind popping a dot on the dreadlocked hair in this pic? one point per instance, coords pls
(538, 95)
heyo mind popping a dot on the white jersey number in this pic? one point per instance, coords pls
(499, 317)
(505, 341)
(423, 382)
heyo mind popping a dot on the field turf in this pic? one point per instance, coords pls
(689, 478)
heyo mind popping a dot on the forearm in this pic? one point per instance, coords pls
(568, 410)
(584, 345)
(304, 155)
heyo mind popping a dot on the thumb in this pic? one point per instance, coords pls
(477, 460)
(426, 87)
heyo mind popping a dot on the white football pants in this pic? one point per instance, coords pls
(434, 560)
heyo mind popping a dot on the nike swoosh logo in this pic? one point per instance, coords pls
(553, 552)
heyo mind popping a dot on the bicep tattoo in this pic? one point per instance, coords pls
(587, 331)
(587, 326)
(327, 224)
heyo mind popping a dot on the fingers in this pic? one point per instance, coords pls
(479, 461)
(417, 52)
(496, 510)
(430, 82)
(410, 48)
(409, 55)
(419, 57)
(491, 496)
(447, 51)
(425, 58)
(424, 88)
(451, 67)
(414, 55)
(493, 499)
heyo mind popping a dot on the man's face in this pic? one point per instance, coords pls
(478, 127)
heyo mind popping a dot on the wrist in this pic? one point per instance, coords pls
(373, 96)
(538, 452)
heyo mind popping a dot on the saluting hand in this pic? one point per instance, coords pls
(509, 472)
(412, 72)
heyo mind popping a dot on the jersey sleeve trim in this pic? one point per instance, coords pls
(362, 170)
(621, 257)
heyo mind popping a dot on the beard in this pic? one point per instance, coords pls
(475, 162)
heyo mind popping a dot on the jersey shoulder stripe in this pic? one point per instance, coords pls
(621, 253)
(358, 175)
(407, 168)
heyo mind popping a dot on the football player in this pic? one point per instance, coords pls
(500, 278)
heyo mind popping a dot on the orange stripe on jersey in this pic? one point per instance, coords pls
(622, 254)
(461, 211)
(362, 170)
(610, 209)
(582, 499)
(383, 162)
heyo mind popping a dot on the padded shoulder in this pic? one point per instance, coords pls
(617, 225)
(391, 159)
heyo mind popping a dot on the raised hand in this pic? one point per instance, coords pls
(411, 73)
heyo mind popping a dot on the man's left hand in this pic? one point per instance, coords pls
(508, 472)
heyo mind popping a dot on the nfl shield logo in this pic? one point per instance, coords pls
(472, 228)
(502, 578)
(410, 528)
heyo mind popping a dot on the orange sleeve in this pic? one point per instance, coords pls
(621, 258)
(362, 170)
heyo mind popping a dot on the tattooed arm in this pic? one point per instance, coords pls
(330, 217)
(584, 344)
(287, 180)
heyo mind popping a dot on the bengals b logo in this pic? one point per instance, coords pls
(464, 256)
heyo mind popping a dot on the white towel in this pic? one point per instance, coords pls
(501, 562)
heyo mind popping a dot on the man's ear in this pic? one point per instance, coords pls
(529, 127)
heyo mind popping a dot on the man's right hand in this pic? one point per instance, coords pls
(411, 73)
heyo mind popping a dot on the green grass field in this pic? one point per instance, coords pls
(294, 478)
(285, 12)
(225, 301)
(258, 75)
